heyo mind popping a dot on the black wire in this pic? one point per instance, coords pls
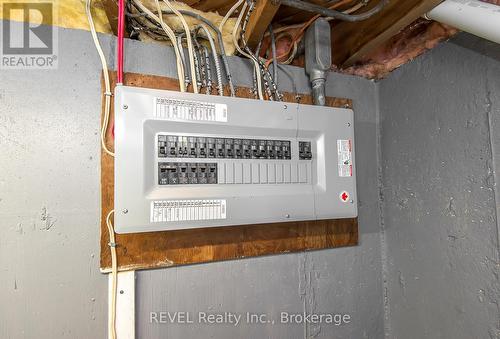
(310, 7)
(273, 49)
(290, 75)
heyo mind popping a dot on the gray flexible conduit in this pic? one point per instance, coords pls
(220, 86)
(221, 44)
(208, 23)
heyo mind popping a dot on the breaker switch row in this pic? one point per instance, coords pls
(174, 173)
(173, 146)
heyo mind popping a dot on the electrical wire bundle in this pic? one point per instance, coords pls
(151, 22)
(260, 68)
(143, 20)
(297, 31)
(263, 80)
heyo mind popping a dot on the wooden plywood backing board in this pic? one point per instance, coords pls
(171, 248)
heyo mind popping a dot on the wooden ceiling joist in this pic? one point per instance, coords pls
(353, 40)
(111, 10)
(262, 16)
(209, 5)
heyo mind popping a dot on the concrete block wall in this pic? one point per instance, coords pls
(440, 138)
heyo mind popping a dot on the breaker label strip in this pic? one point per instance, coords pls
(189, 110)
(188, 210)
(344, 151)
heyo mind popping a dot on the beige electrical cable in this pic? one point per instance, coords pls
(189, 43)
(171, 36)
(229, 13)
(114, 275)
(107, 104)
(114, 272)
(295, 47)
(107, 100)
(236, 44)
(235, 31)
(350, 10)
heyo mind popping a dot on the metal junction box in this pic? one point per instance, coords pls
(185, 160)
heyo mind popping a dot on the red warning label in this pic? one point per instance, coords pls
(344, 151)
(344, 196)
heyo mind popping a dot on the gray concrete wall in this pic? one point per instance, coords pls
(440, 138)
(49, 198)
(50, 207)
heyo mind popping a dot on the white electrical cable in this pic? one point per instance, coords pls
(189, 43)
(256, 64)
(114, 275)
(229, 13)
(171, 36)
(107, 102)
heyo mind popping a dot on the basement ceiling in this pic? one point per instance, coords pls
(370, 48)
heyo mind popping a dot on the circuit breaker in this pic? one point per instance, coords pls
(186, 160)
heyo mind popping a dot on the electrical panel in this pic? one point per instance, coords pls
(186, 160)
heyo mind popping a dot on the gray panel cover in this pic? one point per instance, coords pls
(251, 190)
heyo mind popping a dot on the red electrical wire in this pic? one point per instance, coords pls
(121, 30)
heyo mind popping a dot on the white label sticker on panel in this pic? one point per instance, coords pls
(187, 210)
(189, 110)
(344, 151)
